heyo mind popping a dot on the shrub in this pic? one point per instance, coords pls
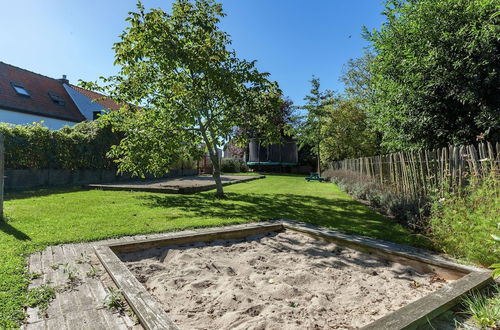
(462, 224)
(411, 212)
(83, 146)
(233, 165)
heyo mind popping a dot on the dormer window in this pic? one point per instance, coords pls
(20, 90)
(57, 99)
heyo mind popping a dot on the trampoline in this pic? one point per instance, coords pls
(284, 154)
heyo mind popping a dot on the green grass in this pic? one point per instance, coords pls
(46, 217)
(484, 307)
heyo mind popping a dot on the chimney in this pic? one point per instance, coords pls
(64, 80)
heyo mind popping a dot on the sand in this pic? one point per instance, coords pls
(282, 280)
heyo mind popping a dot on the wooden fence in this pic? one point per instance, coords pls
(420, 173)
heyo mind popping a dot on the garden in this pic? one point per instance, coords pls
(395, 227)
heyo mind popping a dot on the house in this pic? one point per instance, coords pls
(27, 97)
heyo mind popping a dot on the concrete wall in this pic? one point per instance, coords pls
(21, 179)
(19, 118)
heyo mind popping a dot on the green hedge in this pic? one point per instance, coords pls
(232, 165)
(82, 146)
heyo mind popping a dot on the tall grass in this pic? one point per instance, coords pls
(462, 224)
(484, 307)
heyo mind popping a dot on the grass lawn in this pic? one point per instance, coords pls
(47, 217)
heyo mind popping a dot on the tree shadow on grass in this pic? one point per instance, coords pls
(41, 192)
(341, 214)
(9, 230)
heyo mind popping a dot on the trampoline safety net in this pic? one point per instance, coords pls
(273, 154)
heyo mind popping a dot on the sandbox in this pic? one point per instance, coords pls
(283, 275)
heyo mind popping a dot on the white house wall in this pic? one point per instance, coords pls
(19, 118)
(84, 103)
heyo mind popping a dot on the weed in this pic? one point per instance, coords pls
(41, 297)
(114, 301)
(83, 258)
(56, 266)
(72, 274)
(93, 272)
(34, 275)
(484, 307)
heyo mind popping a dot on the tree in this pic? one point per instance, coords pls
(310, 127)
(436, 73)
(356, 77)
(189, 89)
(346, 132)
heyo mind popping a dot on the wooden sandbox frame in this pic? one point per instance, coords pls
(152, 316)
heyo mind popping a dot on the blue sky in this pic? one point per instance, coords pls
(291, 39)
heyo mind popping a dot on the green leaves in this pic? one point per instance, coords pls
(436, 73)
(190, 90)
(346, 132)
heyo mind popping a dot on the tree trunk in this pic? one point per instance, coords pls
(214, 157)
(319, 161)
(218, 181)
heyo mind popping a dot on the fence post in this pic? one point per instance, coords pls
(2, 159)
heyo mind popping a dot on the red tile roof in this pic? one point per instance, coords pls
(103, 100)
(39, 87)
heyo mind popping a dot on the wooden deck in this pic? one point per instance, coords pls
(78, 304)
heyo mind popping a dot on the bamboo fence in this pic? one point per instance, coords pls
(420, 173)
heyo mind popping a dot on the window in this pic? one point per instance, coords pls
(95, 115)
(20, 90)
(57, 99)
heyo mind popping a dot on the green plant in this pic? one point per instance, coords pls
(200, 91)
(34, 275)
(233, 165)
(434, 78)
(411, 212)
(496, 270)
(40, 297)
(72, 275)
(114, 300)
(462, 223)
(484, 307)
(82, 146)
(496, 266)
(93, 272)
(83, 258)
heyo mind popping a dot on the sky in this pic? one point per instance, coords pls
(291, 39)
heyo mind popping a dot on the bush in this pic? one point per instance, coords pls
(462, 224)
(411, 212)
(83, 146)
(233, 165)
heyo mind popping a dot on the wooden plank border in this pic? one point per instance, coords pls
(417, 313)
(147, 309)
